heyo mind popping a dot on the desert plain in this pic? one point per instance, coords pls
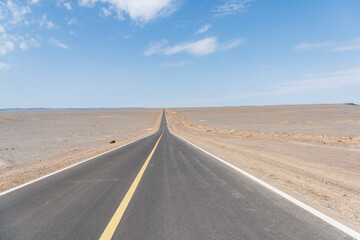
(311, 152)
(35, 143)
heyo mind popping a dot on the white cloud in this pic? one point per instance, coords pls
(201, 47)
(73, 21)
(106, 12)
(50, 25)
(34, 1)
(56, 42)
(182, 23)
(13, 13)
(347, 48)
(67, 5)
(64, 3)
(141, 11)
(8, 42)
(312, 82)
(311, 46)
(4, 65)
(197, 48)
(322, 81)
(175, 64)
(352, 45)
(155, 47)
(233, 44)
(32, 42)
(46, 23)
(230, 7)
(6, 46)
(87, 3)
(23, 46)
(204, 28)
(8, 37)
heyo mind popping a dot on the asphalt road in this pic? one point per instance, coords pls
(183, 194)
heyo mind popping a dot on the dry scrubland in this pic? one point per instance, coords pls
(34, 143)
(311, 152)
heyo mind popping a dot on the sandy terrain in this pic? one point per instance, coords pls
(35, 143)
(311, 152)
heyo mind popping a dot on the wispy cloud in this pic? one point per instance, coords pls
(105, 12)
(204, 28)
(44, 22)
(156, 47)
(233, 44)
(56, 42)
(12, 12)
(6, 46)
(309, 82)
(67, 5)
(141, 11)
(200, 47)
(351, 45)
(27, 43)
(73, 21)
(312, 46)
(197, 48)
(230, 7)
(9, 42)
(175, 64)
(322, 81)
(34, 1)
(354, 44)
(15, 13)
(182, 23)
(64, 3)
(23, 46)
(347, 48)
(4, 65)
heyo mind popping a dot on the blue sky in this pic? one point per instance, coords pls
(174, 53)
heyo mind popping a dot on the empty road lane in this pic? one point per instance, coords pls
(159, 187)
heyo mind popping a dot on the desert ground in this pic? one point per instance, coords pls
(311, 152)
(35, 143)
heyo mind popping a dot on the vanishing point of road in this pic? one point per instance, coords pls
(159, 187)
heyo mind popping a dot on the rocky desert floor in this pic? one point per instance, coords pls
(311, 152)
(35, 143)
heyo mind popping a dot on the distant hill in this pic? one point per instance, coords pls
(61, 109)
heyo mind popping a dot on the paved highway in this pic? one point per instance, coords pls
(159, 187)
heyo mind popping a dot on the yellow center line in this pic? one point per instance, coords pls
(115, 220)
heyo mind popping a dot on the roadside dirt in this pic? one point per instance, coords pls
(309, 163)
(33, 144)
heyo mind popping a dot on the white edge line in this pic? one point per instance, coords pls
(75, 164)
(315, 212)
